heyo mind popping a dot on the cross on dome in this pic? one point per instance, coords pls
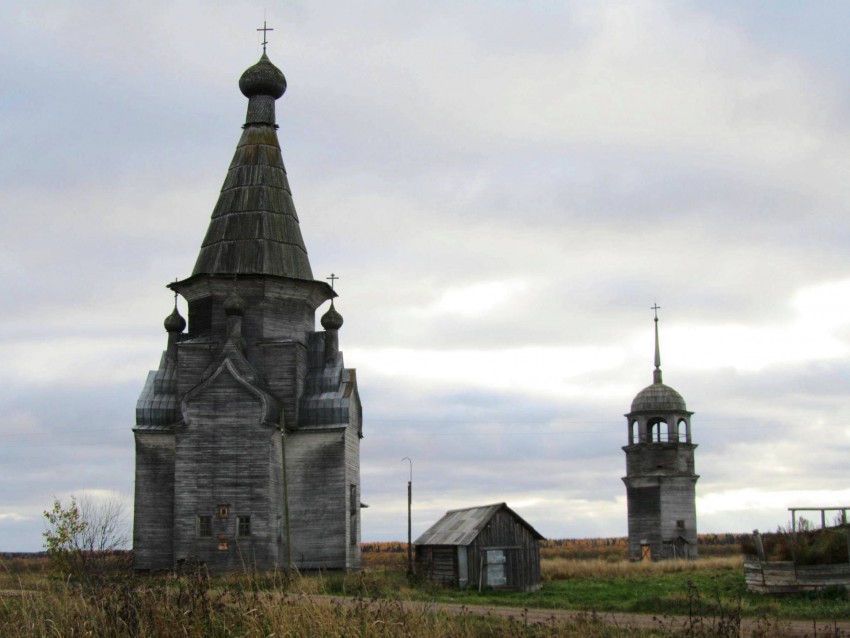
(265, 31)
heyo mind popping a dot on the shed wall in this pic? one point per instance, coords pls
(522, 552)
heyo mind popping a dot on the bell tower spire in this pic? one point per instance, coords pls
(656, 374)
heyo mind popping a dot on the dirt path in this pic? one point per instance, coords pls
(789, 628)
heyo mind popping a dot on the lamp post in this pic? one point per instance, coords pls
(409, 519)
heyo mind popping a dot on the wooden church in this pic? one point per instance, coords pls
(660, 478)
(248, 434)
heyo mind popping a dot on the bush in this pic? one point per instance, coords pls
(86, 538)
(806, 546)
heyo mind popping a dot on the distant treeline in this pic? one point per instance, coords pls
(578, 547)
(581, 545)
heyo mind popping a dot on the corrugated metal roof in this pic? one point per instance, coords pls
(460, 527)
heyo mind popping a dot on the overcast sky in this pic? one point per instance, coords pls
(504, 190)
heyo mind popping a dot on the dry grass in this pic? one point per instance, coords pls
(266, 605)
(187, 607)
(565, 569)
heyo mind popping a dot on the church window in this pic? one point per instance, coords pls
(223, 511)
(634, 433)
(205, 526)
(243, 525)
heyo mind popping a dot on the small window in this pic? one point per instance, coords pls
(243, 525)
(222, 542)
(205, 526)
(223, 511)
(680, 524)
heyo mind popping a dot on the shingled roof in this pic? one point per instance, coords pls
(254, 227)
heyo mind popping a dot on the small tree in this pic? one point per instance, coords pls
(82, 537)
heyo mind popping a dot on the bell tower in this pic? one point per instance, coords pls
(660, 479)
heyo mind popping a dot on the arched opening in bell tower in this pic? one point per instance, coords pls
(684, 431)
(658, 431)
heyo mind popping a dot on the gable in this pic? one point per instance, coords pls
(227, 397)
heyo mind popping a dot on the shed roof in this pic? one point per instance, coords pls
(461, 526)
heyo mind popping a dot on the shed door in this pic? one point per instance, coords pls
(462, 568)
(496, 576)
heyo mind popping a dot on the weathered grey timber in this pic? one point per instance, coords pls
(660, 478)
(784, 577)
(248, 434)
(487, 546)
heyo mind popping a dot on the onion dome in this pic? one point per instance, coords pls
(264, 78)
(331, 320)
(174, 322)
(658, 398)
(234, 305)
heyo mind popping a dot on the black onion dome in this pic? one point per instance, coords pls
(332, 320)
(234, 305)
(658, 397)
(174, 322)
(264, 78)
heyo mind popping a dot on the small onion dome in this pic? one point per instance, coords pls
(264, 78)
(331, 320)
(234, 305)
(658, 398)
(174, 322)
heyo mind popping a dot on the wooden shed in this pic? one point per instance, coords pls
(487, 546)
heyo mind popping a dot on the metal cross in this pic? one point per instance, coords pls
(656, 308)
(265, 30)
(332, 279)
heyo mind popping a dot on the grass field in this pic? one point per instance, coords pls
(37, 602)
(707, 586)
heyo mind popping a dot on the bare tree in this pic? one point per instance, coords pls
(83, 538)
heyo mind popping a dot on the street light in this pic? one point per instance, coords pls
(409, 519)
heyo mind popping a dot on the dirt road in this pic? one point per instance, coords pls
(784, 628)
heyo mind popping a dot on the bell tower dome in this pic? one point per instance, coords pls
(660, 478)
